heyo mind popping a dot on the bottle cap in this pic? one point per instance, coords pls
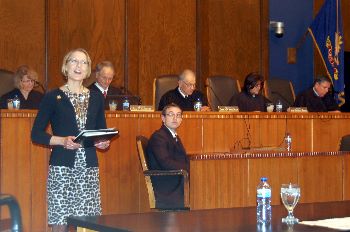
(263, 179)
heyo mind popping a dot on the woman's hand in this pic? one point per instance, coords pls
(205, 108)
(102, 144)
(69, 144)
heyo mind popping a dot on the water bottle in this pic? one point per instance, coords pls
(288, 142)
(16, 102)
(126, 105)
(263, 199)
(279, 106)
(198, 105)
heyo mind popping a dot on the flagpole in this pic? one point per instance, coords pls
(302, 40)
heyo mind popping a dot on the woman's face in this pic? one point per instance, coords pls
(256, 89)
(77, 66)
(26, 84)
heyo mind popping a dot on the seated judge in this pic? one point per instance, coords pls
(318, 98)
(166, 152)
(25, 79)
(251, 99)
(104, 73)
(185, 95)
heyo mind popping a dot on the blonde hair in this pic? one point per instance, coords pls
(68, 56)
(24, 70)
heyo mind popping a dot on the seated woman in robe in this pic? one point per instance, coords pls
(251, 99)
(25, 80)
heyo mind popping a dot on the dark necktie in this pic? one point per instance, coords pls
(176, 138)
(105, 93)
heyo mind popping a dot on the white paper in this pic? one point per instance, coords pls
(333, 223)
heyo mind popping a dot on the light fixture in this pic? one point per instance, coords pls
(278, 28)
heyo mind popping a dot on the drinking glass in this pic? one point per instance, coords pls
(269, 107)
(112, 105)
(9, 104)
(290, 194)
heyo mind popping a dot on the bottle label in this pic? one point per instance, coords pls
(263, 193)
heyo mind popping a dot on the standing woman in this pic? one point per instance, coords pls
(73, 181)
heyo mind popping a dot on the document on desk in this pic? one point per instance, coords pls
(87, 138)
(333, 223)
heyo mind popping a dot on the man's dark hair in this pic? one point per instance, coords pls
(169, 106)
(321, 79)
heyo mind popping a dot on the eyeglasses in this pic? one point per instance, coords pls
(76, 62)
(172, 115)
(28, 81)
(189, 85)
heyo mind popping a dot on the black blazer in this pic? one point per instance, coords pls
(164, 153)
(57, 110)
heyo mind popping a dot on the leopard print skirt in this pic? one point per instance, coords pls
(73, 191)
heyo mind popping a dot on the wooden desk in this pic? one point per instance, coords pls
(225, 180)
(23, 165)
(232, 219)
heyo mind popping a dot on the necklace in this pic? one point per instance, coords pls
(81, 90)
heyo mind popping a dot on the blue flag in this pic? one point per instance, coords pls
(327, 33)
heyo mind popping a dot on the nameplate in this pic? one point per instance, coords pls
(141, 108)
(298, 109)
(228, 109)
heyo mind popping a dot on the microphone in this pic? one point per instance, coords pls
(215, 95)
(37, 83)
(281, 96)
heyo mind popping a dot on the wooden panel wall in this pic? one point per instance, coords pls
(148, 38)
(97, 26)
(22, 31)
(235, 37)
(143, 38)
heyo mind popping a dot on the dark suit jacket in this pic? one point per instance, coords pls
(56, 109)
(164, 153)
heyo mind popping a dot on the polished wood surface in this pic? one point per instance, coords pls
(221, 180)
(22, 39)
(231, 219)
(24, 165)
(143, 38)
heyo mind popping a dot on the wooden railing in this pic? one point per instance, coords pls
(24, 165)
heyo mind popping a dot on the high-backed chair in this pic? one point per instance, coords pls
(15, 211)
(6, 80)
(344, 144)
(280, 89)
(220, 90)
(141, 143)
(161, 85)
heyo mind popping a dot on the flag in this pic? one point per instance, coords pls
(327, 33)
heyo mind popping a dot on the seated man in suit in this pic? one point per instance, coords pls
(166, 152)
(104, 72)
(318, 98)
(185, 95)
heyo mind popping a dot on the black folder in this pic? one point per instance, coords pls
(88, 138)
